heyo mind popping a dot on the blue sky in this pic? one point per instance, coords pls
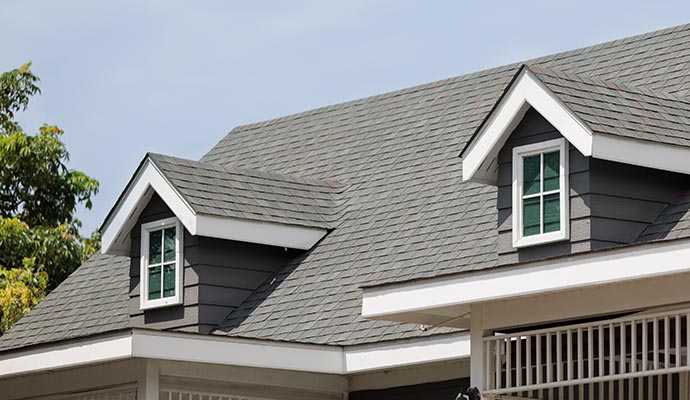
(126, 77)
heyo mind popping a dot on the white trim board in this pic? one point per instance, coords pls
(395, 302)
(116, 238)
(87, 351)
(238, 352)
(479, 161)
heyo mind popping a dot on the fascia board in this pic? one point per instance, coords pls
(379, 356)
(645, 154)
(549, 276)
(525, 91)
(240, 352)
(268, 233)
(67, 355)
(220, 350)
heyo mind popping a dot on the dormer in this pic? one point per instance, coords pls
(579, 163)
(201, 237)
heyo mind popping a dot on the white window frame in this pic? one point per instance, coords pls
(145, 303)
(519, 153)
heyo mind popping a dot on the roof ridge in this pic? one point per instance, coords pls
(492, 70)
(330, 183)
(612, 84)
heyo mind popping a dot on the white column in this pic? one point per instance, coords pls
(148, 382)
(477, 333)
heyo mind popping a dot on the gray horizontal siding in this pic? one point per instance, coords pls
(218, 276)
(610, 203)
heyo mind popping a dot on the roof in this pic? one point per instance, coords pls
(613, 108)
(244, 193)
(672, 223)
(93, 299)
(409, 214)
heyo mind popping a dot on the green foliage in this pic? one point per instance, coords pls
(16, 88)
(40, 243)
(35, 184)
(20, 290)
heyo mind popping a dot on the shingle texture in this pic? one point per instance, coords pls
(672, 223)
(94, 299)
(408, 214)
(612, 108)
(253, 194)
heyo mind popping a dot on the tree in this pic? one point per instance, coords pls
(40, 244)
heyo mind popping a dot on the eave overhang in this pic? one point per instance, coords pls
(148, 179)
(219, 350)
(479, 157)
(446, 301)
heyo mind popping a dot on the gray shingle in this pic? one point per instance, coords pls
(410, 215)
(407, 214)
(92, 300)
(613, 108)
(253, 194)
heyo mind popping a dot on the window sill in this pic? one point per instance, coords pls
(160, 303)
(535, 240)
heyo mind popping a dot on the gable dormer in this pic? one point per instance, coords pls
(202, 237)
(580, 164)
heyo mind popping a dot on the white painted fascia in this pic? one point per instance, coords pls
(365, 358)
(645, 154)
(479, 162)
(116, 239)
(268, 233)
(620, 265)
(73, 354)
(220, 350)
(239, 352)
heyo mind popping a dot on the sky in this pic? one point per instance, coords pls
(126, 77)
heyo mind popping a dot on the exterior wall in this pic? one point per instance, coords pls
(218, 276)
(610, 203)
(432, 391)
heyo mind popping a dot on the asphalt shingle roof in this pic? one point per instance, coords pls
(94, 299)
(408, 214)
(253, 194)
(612, 108)
(672, 223)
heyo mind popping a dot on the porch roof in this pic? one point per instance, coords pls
(446, 301)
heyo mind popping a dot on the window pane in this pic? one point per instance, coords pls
(530, 216)
(169, 280)
(155, 247)
(154, 283)
(530, 174)
(169, 245)
(551, 170)
(552, 212)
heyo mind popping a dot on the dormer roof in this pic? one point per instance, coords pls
(601, 118)
(227, 202)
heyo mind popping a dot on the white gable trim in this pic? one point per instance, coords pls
(175, 346)
(479, 162)
(405, 301)
(115, 235)
(116, 232)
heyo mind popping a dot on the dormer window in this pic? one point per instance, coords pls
(161, 263)
(540, 193)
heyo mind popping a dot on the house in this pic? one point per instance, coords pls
(524, 230)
